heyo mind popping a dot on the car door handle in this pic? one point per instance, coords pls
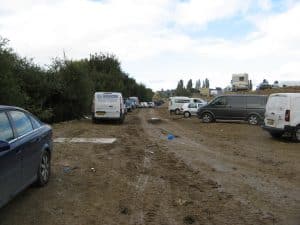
(35, 140)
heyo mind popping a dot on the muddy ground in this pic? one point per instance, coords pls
(219, 173)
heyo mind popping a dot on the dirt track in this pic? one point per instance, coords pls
(220, 173)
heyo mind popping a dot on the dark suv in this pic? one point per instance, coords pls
(250, 108)
(25, 151)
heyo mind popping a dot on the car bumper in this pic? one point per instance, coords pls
(278, 130)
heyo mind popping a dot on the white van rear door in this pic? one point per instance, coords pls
(275, 110)
(108, 103)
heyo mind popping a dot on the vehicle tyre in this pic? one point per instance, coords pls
(177, 111)
(297, 134)
(94, 120)
(276, 134)
(44, 170)
(253, 119)
(122, 118)
(187, 114)
(207, 118)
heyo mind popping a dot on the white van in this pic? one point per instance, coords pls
(176, 103)
(108, 105)
(283, 114)
(136, 101)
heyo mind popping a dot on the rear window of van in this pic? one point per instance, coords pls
(104, 97)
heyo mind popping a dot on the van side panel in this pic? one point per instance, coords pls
(177, 102)
(256, 105)
(295, 111)
(236, 106)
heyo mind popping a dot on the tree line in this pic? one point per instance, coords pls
(188, 90)
(63, 90)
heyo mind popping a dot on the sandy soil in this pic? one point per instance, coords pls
(219, 173)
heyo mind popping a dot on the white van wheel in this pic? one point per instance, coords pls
(253, 119)
(187, 114)
(177, 111)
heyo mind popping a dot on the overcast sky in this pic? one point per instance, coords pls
(160, 42)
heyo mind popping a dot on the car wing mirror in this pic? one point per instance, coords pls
(4, 146)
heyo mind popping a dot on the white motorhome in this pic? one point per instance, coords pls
(176, 103)
(240, 82)
(283, 114)
(108, 105)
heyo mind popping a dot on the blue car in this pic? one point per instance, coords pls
(25, 152)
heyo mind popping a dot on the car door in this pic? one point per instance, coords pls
(10, 162)
(237, 107)
(28, 140)
(193, 108)
(220, 108)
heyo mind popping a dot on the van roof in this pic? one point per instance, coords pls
(286, 94)
(179, 97)
(109, 93)
(243, 95)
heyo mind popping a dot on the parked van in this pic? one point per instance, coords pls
(176, 103)
(108, 105)
(283, 114)
(250, 108)
(136, 101)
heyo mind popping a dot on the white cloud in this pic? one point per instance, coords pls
(196, 12)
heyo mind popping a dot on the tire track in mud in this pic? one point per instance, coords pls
(150, 201)
(256, 188)
(211, 202)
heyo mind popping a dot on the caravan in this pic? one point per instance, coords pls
(240, 82)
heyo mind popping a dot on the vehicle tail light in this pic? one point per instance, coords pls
(287, 115)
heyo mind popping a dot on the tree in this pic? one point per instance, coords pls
(250, 85)
(64, 90)
(206, 83)
(189, 86)
(198, 84)
(180, 88)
